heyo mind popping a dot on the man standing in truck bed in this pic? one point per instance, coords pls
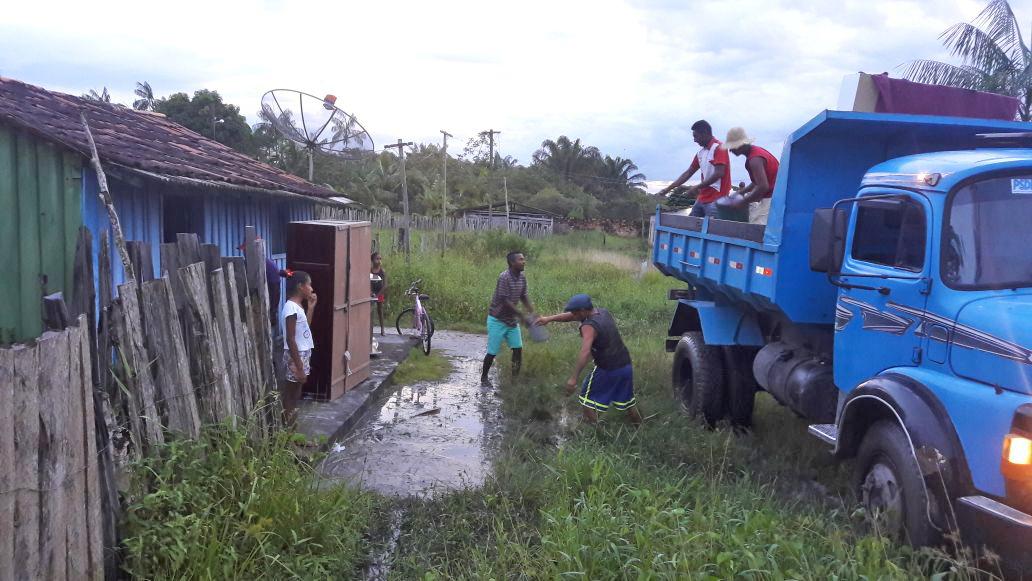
(763, 173)
(714, 163)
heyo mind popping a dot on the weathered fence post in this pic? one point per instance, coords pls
(26, 463)
(53, 453)
(168, 352)
(221, 312)
(7, 464)
(144, 417)
(104, 330)
(93, 477)
(246, 370)
(254, 253)
(143, 262)
(207, 364)
(84, 296)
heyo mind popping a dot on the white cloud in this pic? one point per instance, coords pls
(627, 76)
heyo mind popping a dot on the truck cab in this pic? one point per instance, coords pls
(932, 333)
(888, 301)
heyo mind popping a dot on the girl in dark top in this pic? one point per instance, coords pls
(611, 382)
(379, 286)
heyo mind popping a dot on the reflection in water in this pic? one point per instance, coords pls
(409, 449)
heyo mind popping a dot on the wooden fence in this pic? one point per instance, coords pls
(386, 220)
(169, 354)
(193, 346)
(51, 501)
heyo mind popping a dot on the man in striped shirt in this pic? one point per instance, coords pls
(503, 319)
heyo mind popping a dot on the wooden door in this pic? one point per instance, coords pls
(336, 357)
(359, 303)
(320, 249)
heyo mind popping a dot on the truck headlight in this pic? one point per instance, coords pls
(1016, 463)
(1017, 450)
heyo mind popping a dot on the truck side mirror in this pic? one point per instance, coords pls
(828, 239)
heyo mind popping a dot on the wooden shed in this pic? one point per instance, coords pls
(165, 180)
(515, 217)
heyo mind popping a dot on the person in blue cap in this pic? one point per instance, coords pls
(611, 383)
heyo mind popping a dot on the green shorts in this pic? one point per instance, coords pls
(498, 331)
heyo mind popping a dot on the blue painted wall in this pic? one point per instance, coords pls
(141, 208)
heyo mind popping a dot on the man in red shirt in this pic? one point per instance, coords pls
(763, 172)
(716, 172)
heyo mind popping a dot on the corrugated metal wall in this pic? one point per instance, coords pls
(141, 209)
(139, 213)
(226, 215)
(40, 192)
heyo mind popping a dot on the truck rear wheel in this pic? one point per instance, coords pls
(741, 384)
(698, 379)
(891, 488)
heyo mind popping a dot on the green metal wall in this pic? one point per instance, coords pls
(40, 215)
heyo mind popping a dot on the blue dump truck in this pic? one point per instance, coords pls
(889, 302)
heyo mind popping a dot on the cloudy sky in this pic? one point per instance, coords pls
(629, 76)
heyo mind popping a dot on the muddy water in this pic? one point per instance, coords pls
(409, 449)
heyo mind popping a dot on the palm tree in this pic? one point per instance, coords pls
(103, 96)
(564, 157)
(146, 97)
(994, 57)
(623, 172)
(507, 162)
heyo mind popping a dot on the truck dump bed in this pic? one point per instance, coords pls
(822, 162)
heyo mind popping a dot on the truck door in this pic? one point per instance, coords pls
(888, 248)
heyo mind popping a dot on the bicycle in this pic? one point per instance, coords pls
(415, 321)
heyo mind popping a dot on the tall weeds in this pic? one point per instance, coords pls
(226, 507)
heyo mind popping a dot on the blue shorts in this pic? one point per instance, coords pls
(497, 331)
(603, 388)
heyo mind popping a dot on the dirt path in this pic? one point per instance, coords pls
(407, 448)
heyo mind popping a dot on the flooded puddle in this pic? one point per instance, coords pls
(426, 437)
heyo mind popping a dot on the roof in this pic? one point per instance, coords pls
(500, 206)
(143, 142)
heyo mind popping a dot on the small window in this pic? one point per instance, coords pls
(890, 232)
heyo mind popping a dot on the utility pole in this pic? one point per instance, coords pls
(508, 224)
(444, 175)
(490, 136)
(401, 145)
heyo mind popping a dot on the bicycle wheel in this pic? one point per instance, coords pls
(405, 324)
(427, 333)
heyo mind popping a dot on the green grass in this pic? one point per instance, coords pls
(670, 500)
(224, 507)
(420, 367)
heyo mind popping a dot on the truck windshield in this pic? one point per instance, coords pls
(985, 245)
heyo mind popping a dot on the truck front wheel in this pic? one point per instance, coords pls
(698, 379)
(891, 487)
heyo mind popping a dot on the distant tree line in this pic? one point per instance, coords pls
(565, 176)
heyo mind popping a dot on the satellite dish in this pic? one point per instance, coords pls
(315, 123)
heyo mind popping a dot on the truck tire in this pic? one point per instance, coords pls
(890, 486)
(698, 379)
(741, 385)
